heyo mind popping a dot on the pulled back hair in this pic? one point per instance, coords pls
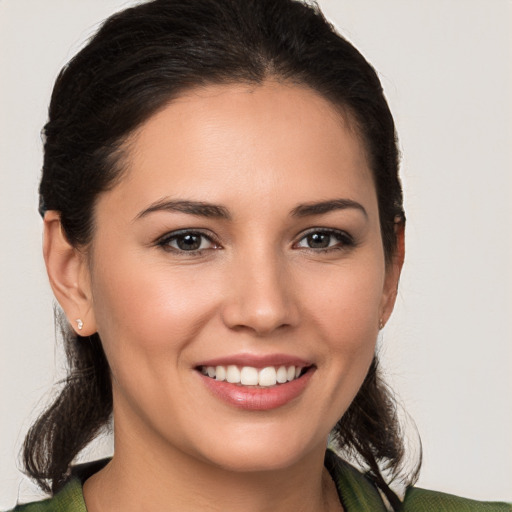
(139, 61)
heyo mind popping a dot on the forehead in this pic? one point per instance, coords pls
(222, 141)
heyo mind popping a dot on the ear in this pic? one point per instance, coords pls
(69, 275)
(393, 271)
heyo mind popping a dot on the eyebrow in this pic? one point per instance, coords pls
(199, 208)
(305, 210)
(203, 209)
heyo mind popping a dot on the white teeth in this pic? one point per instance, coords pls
(220, 373)
(282, 375)
(233, 374)
(267, 376)
(250, 376)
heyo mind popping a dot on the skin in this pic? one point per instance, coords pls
(256, 287)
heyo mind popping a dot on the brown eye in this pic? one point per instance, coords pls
(318, 240)
(325, 240)
(186, 241)
(190, 242)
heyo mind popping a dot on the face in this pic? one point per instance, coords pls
(243, 243)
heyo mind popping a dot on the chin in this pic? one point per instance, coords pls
(268, 451)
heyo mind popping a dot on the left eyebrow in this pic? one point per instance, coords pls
(305, 210)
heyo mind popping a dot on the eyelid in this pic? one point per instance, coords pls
(163, 241)
(347, 239)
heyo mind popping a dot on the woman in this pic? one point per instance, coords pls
(224, 233)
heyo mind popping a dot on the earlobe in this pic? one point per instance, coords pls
(393, 271)
(69, 275)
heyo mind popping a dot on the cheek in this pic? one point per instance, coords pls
(345, 305)
(150, 310)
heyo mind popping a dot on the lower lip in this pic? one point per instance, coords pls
(258, 398)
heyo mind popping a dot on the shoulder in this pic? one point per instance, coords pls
(422, 500)
(68, 499)
(358, 493)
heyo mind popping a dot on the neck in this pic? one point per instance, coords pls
(135, 480)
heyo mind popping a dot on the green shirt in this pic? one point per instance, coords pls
(357, 494)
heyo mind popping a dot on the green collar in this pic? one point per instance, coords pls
(356, 492)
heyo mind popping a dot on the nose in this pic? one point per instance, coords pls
(261, 296)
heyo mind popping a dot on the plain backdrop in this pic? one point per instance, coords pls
(446, 67)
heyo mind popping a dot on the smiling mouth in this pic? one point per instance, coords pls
(255, 377)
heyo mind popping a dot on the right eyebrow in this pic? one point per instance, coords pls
(199, 208)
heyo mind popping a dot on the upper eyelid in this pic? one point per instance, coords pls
(161, 240)
(338, 231)
(196, 231)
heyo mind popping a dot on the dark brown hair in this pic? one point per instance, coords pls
(139, 60)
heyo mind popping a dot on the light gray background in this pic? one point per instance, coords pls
(446, 66)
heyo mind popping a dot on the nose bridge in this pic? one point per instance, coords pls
(262, 295)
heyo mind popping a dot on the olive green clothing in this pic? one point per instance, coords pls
(356, 492)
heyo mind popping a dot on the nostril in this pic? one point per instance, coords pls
(261, 299)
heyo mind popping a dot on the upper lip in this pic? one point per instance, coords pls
(256, 361)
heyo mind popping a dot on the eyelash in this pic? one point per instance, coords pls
(164, 242)
(344, 241)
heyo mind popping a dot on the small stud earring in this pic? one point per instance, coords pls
(381, 324)
(79, 324)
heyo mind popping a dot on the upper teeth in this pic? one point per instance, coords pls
(249, 376)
